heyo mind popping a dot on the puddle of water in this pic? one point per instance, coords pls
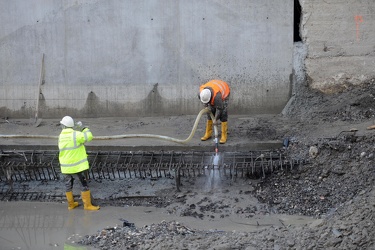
(34, 225)
(37, 225)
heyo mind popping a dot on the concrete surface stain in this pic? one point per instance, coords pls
(153, 104)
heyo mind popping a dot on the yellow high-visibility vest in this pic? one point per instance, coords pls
(72, 151)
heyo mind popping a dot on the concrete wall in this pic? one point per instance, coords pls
(144, 57)
(340, 37)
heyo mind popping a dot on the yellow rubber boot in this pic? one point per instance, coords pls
(208, 133)
(86, 198)
(71, 203)
(224, 132)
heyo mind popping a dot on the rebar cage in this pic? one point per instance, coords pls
(44, 165)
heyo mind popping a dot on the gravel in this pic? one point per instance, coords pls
(336, 186)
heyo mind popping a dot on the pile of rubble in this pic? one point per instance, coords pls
(336, 188)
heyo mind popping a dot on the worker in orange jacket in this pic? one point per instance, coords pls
(215, 95)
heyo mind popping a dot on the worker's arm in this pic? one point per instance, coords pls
(219, 106)
(84, 136)
(217, 116)
(218, 102)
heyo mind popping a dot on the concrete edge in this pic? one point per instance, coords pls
(254, 146)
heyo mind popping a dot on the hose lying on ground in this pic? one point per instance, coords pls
(162, 137)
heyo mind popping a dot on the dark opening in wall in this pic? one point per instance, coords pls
(297, 20)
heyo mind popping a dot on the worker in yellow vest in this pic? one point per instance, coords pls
(215, 94)
(73, 160)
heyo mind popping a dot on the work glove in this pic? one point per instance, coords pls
(79, 126)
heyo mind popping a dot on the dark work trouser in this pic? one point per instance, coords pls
(69, 180)
(223, 112)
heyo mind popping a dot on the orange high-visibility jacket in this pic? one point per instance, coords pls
(217, 86)
(72, 155)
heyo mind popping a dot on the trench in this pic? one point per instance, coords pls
(43, 165)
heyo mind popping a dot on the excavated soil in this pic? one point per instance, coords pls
(335, 185)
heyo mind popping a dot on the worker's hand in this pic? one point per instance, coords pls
(79, 124)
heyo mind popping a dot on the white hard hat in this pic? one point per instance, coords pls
(67, 121)
(205, 95)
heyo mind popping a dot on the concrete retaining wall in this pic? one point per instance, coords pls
(340, 36)
(144, 57)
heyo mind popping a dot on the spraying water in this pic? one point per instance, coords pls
(213, 175)
(215, 160)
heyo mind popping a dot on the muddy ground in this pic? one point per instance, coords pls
(335, 186)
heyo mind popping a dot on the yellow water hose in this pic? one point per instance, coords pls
(162, 137)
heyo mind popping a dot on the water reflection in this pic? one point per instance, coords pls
(43, 226)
